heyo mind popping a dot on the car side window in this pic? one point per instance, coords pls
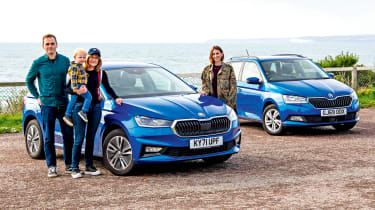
(250, 69)
(237, 68)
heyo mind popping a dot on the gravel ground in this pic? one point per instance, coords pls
(305, 169)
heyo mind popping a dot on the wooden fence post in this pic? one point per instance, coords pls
(354, 78)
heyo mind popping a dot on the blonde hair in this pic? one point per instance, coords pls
(78, 51)
(97, 67)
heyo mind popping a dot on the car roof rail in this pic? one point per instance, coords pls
(296, 55)
(245, 56)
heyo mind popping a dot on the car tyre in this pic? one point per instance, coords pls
(118, 153)
(34, 140)
(271, 120)
(217, 159)
(344, 126)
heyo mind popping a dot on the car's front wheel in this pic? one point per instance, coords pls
(34, 140)
(271, 120)
(118, 153)
(344, 126)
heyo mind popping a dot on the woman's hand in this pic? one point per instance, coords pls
(82, 90)
(203, 93)
(118, 101)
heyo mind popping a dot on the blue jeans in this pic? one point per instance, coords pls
(93, 116)
(49, 116)
(86, 104)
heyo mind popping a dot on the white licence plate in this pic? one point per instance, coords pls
(332, 112)
(206, 142)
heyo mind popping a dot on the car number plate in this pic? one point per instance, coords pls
(206, 142)
(332, 112)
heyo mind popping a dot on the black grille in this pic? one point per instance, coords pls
(327, 103)
(199, 128)
(186, 151)
(319, 119)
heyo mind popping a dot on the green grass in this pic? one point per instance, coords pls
(10, 123)
(366, 97)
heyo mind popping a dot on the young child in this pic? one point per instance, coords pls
(78, 78)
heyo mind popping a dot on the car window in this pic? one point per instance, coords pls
(250, 69)
(141, 82)
(237, 68)
(292, 69)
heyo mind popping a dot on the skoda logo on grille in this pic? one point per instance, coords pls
(200, 114)
(330, 95)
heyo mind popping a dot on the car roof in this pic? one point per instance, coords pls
(268, 58)
(125, 64)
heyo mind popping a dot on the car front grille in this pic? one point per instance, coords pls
(186, 151)
(340, 101)
(216, 125)
(319, 119)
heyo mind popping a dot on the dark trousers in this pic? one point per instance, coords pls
(81, 131)
(49, 116)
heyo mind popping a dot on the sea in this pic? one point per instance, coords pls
(16, 58)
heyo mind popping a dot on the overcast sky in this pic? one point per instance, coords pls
(181, 21)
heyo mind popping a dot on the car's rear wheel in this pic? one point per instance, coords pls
(217, 159)
(344, 126)
(34, 140)
(118, 153)
(271, 120)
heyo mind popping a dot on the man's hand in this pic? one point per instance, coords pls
(39, 102)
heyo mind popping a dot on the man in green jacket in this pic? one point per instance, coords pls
(50, 70)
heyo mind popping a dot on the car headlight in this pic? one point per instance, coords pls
(143, 121)
(232, 115)
(288, 99)
(354, 95)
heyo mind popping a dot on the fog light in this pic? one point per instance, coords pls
(238, 140)
(149, 149)
(356, 115)
(297, 118)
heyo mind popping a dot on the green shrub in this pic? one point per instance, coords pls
(342, 60)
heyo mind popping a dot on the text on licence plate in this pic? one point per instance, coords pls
(206, 142)
(332, 112)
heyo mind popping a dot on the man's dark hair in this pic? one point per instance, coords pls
(49, 36)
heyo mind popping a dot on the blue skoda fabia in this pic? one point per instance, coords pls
(289, 90)
(162, 119)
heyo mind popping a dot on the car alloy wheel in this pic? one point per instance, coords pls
(271, 120)
(118, 155)
(34, 140)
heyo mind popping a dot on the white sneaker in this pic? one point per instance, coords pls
(91, 170)
(76, 173)
(52, 172)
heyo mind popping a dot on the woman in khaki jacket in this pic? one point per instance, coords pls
(218, 79)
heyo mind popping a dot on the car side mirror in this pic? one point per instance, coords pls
(253, 80)
(331, 75)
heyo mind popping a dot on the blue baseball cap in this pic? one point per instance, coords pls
(93, 51)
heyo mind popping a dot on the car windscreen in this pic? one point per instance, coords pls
(143, 82)
(292, 69)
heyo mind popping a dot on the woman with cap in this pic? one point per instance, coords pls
(96, 76)
(218, 79)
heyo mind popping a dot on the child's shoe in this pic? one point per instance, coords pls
(68, 121)
(83, 116)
